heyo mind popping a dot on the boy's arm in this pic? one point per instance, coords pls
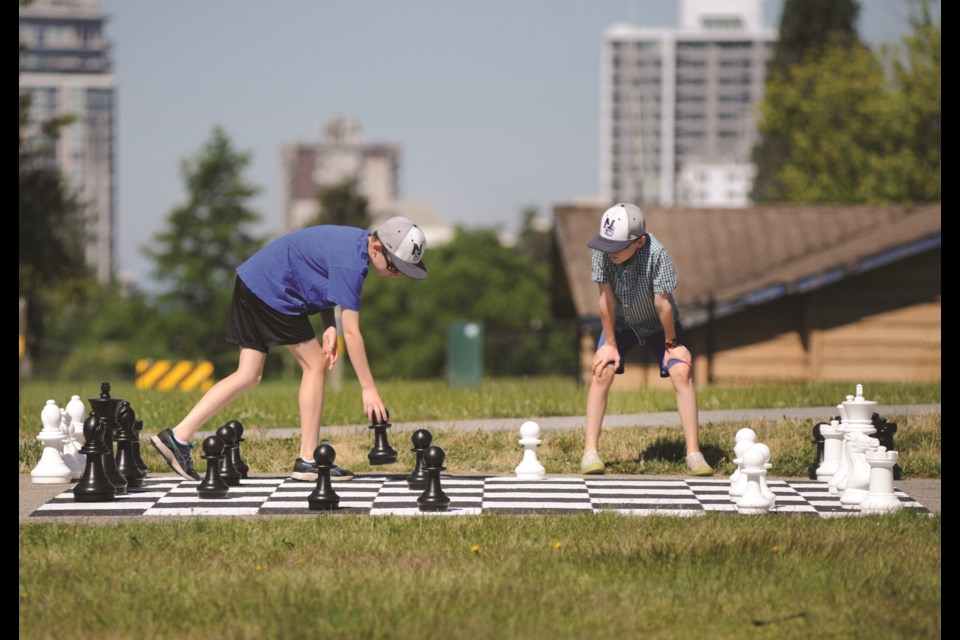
(372, 404)
(664, 305)
(329, 339)
(608, 312)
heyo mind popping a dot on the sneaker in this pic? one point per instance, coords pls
(177, 455)
(306, 472)
(697, 465)
(591, 464)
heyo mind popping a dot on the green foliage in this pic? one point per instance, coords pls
(806, 27)
(50, 221)
(849, 132)
(343, 204)
(916, 78)
(204, 242)
(473, 278)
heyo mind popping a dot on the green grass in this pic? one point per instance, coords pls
(274, 403)
(600, 576)
(625, 450)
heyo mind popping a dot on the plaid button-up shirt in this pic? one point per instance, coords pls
(648, 272)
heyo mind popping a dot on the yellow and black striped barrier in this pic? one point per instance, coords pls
(167, 375)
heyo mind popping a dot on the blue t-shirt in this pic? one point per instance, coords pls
(309, 270)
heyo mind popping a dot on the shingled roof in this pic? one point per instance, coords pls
(738, 257)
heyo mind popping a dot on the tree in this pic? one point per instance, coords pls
(472, 278)
(806, 27)
(916, 78)
(204, 242)
(343, 204)
(836, 116)
(854, 133)
(51, 224)
(535, 240)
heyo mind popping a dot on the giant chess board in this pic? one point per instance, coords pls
(469, 495)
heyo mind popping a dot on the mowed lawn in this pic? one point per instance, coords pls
(495, 576)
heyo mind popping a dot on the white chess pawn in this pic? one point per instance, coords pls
(843, 464)
(881, 497)
(764, 489)
(832, 450)
(743, 435)
(70, 450)
(530, 468)
(738, 481)
(76, 409)
(51, 469)
(753, 501)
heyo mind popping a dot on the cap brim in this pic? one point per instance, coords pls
(600, 243)
(412, 270)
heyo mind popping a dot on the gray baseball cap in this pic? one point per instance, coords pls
(622, 225)
(405, 243)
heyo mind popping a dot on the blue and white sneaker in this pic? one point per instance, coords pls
(177, 455)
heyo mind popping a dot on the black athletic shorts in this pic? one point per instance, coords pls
(254, 325)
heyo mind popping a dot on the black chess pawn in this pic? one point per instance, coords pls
(818, 440)
(106, 410)
(228, 467)
(323, 497)
(382, 452)
(433, 498)
(137, 458)
(213, 486)
(240, 464)
(94, 485)
(421, 440)
(126, 464)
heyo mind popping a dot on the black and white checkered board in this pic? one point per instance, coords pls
(379, 494)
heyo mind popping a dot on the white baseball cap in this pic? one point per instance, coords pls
(622, 225)
(405, 243)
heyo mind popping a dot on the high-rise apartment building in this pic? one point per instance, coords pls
(678, 106)
(66, 69)
(341, 155)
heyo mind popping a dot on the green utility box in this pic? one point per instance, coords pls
(464, 354)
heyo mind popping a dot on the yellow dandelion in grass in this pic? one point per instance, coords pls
(259, 567)
(775, 548)
(557, 545)
(475, 549)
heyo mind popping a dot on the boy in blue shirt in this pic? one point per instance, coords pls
(636, 279)
(300, 274)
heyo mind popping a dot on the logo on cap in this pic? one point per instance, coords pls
(416, 252)
(609, 226)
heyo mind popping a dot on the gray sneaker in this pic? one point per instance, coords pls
(591, 464)
(177, 455)
(306, 472)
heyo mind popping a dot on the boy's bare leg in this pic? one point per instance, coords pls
(686, 405)
(597, 406)
(248, 374)
(313, 361)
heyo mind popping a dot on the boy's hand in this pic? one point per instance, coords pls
(605, 355)
(680, 353)
(330, 346)
(373, 406)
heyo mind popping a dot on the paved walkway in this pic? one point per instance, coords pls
(927, 492)
(561, 423)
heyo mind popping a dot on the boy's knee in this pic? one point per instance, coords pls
(606, 376)
(680, 374)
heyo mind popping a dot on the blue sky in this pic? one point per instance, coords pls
(495, 104)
